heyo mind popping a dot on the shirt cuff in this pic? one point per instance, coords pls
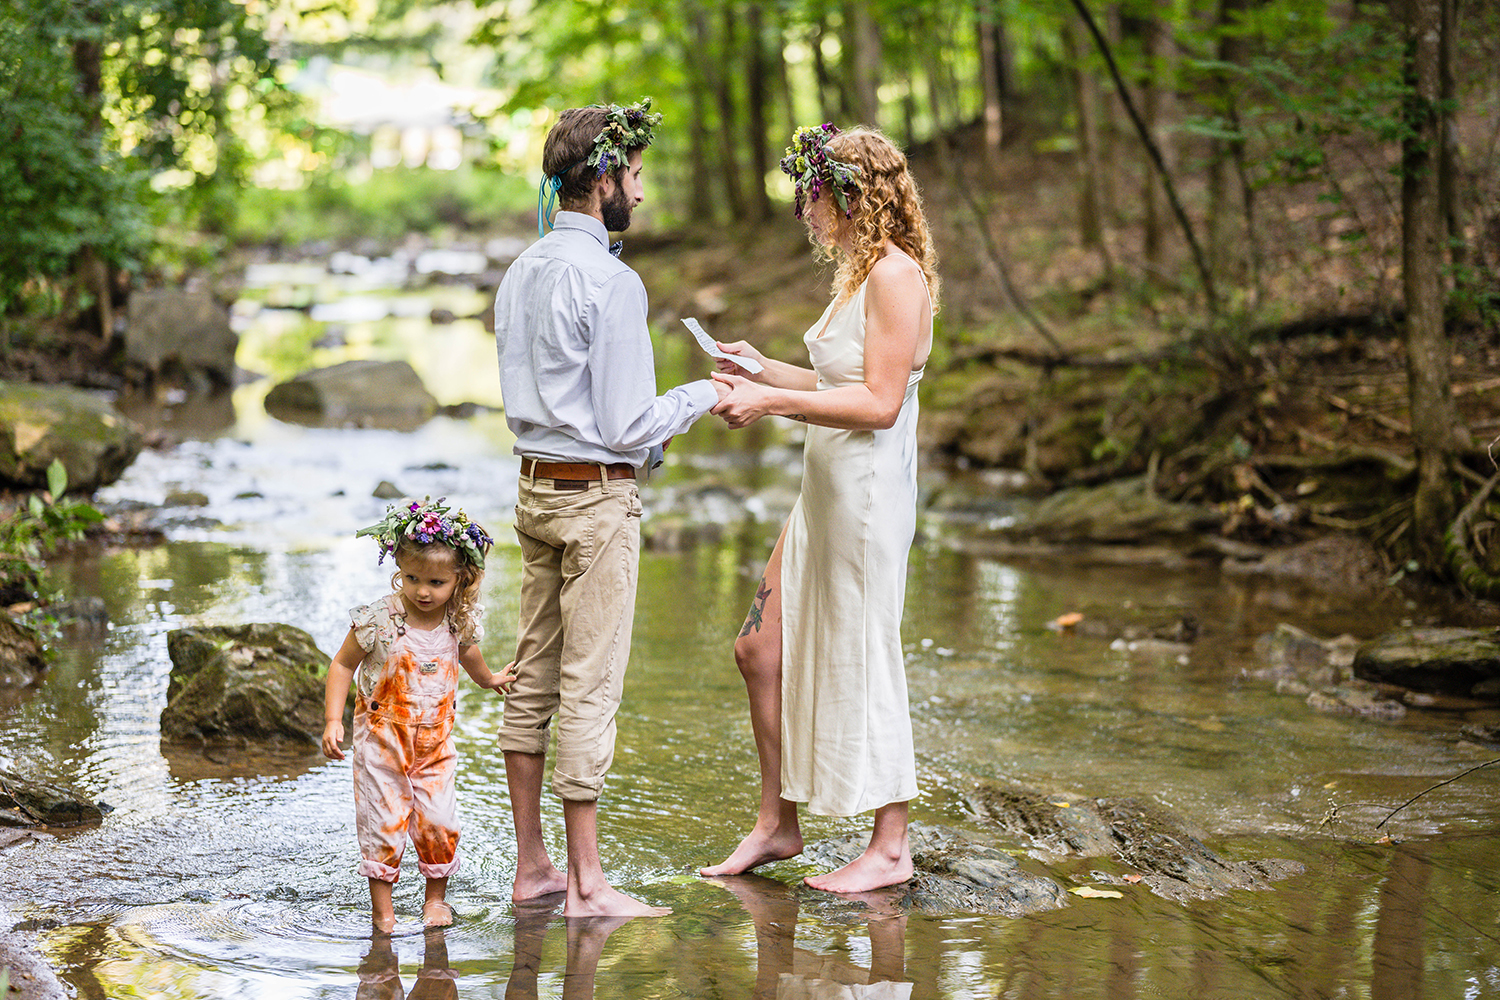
(703, 395)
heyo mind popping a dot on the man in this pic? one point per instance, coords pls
(579, 387)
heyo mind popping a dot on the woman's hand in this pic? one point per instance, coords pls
(744, 350)
(746, 402)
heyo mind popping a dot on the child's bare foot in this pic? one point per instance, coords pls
(535, 885)
(607, 901)
(866, 872)
(436, 913)
(758, 848)
(383, 923)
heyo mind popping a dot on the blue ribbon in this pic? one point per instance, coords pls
(546, 200)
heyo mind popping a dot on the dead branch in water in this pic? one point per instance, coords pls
(1440, 784)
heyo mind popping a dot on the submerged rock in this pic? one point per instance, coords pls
(1452, 661)
(26, 802)
(1345, 563)
(954, 875)
(1168, 858)
(383, 393)
(39, 423)
(22, 661)
(1321, 671)
(238, 683)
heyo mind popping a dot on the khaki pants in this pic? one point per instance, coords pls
(580, 549)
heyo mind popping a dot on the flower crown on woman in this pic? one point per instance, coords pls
(811, 169)
(428, 522)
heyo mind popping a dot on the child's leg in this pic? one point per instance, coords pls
(435, 910)
(382, 910)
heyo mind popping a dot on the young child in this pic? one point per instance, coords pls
(403, 653)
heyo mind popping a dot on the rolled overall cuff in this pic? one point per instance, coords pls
(438, 871)
(376, 870)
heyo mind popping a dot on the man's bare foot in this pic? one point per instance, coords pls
(537, 885)
(866, 872)
(436, 913)
(758, 849)
(607, 901)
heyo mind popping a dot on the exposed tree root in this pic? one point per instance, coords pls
(1459, 546)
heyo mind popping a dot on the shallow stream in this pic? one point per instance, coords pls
(231, 874)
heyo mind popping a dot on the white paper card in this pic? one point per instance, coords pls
(707, 343)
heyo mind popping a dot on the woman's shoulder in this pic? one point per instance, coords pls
(896, 274)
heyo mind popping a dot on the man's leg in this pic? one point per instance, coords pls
(589, 892)
(598, 605)
(532, 702)
(535, 874)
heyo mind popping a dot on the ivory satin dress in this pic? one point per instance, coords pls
(845, 722)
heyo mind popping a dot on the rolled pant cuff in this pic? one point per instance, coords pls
(571, 789)
(437, 871)
(514, 740)
(376, 870)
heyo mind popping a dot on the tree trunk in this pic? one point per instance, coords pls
(756, 97)
(836, 107)
(862, 58)
(1436, 433)
(719, 82)
(700, 194)
(989, 80)
(1090, 167)
(1226, 238)
(92, 272)
(1156, 91)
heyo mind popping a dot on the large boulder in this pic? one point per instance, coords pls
(86, 433)
(245, 683)
(382, 393)
(1450, 661)
(183, 335)
(1121, 512)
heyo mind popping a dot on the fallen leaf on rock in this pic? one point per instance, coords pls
(1067, 620)
(1089, 892)
(1132, 878)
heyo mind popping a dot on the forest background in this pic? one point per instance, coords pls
(1245, 251)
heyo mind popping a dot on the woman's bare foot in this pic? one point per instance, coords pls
(868, 871)
(436, 913)
(758, 848)
(535, 885)
(607, 901)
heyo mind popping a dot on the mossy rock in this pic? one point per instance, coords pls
(242, 683)
(38, 423)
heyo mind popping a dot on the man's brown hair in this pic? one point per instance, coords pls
(567, 149)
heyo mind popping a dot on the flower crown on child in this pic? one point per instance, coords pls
(811, 169)
(427, 522)
(625, 129)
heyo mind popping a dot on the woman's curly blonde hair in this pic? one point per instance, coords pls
(464, 604)
(887, 206)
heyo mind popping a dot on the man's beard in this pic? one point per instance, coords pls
(616, 210)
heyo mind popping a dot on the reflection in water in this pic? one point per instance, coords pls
(585, 943)
(785, 972)
(380, 972)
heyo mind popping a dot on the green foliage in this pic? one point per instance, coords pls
(37, 527)
(105, 105)
(385, 207)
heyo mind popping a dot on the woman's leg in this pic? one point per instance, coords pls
(757, 652)
(887, 861)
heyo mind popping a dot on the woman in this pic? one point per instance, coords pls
(821, 648)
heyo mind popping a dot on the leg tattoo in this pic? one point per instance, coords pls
(757, 609)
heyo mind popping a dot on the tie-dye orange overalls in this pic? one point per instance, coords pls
(404, 759)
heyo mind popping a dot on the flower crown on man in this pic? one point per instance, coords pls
(625, 130)
(811, 169)
(425, 523)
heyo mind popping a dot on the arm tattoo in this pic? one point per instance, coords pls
(757, 609)
(797, 416)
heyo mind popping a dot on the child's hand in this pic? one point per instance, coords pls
(333, 735)
(505, 678)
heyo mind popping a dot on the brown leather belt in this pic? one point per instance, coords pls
(574, 471)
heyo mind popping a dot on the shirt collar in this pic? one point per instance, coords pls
(587, 223)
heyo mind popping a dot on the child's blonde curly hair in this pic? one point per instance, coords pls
(887, 206)
(463, 606)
